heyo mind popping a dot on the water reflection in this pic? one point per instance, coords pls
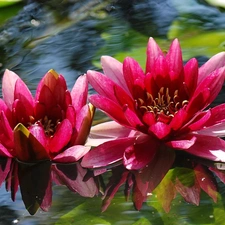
(188, 177)
(36, 179)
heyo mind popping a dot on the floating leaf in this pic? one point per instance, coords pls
(142, 221)
(4, 3)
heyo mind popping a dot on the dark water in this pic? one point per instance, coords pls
(70, 37)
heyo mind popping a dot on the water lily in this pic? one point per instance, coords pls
(157, 112)
(53, 125)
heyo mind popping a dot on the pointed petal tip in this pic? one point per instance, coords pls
(109, 62)
(106, 57)
(20, 127)
(52, 71)
(151, 41)
(175, 44)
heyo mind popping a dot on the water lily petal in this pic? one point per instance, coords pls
(150, 85)
(71, 115)
(212, 64)
(49, 80)
(179, 119)
(175, 62)
(22, 93)
(149, 118)
(60, 92)
(61, 137)
(217, 115)
(123, 98)
(39, 110)
(212, 148)
(46, 98)
(200, 121)
(198, 102)
(212, 84)
(83, 124)
(132, 71)
(72, 154)
(8, 87)
(109, 107)
(161, 72)
(27, 147)
(106, 131)
(21, 113)
(160, 130)
(153, 52)
(79, 92)
(140, 154)
(191, 76)
(38, 132)
(109, 129)
(217, 130)
(102, 84)
(107, 153)
(113, 69)
(186, 143)
(132, 118)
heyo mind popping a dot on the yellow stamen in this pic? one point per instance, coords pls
(162, 104)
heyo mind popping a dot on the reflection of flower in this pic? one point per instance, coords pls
(188, 178)
(4, 168)
(35, 181)
(157, 112)
(53, 125)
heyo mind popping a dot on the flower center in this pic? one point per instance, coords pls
(49, 125)
(164, 106)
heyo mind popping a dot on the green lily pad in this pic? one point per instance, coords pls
(8, 12)
(142, 221)
(85, 213)
(217, 3)
(4, 3)
(196, 42)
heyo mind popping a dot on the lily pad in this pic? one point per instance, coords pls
(217, 3)
(8, 2)
(142, 221)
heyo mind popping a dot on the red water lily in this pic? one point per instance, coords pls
(52, 125)
(162, 109)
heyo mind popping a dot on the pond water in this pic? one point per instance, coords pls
(70, 37)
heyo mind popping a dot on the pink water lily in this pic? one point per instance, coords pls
(52, 125)
(162, 109)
